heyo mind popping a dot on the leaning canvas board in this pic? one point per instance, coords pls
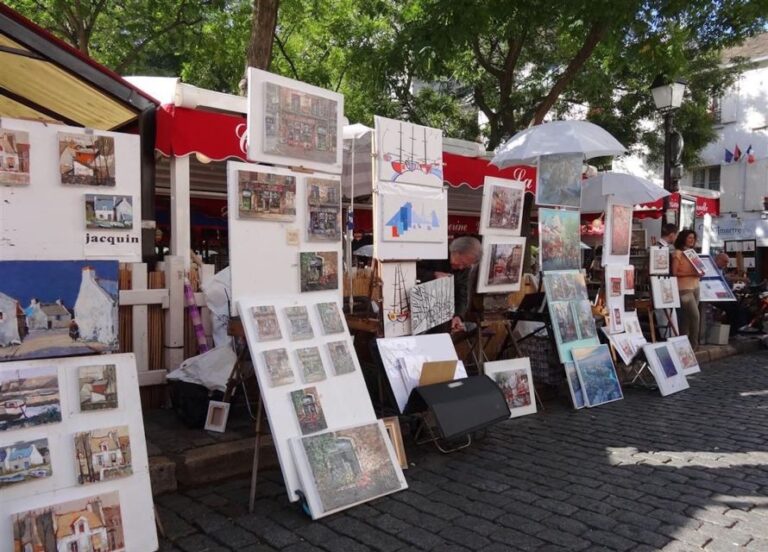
(666, 368)
(397, 279)
(515, 380)
(501, 266)
(48, 218)
(284, 366)
(62, 491)
(618, 232)
(408, 153)
(294, 124)
(570, 311)
(432, 304)
(665, 292)
(502, 209)
(597, 375)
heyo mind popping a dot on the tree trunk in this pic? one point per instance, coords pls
(263, 23)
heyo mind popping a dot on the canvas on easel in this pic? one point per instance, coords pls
(665, 292)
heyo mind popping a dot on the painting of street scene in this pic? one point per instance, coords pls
(266, 196)
(350, 466)
(585, 322)
(24, 461)
(86, 159)
(299, 326)
(323, 209)
(559, 182)
(597, 374)
(14, 157)
(503, 205)
(278, 367)
(563, 321)
(565, 286)
(559, 239)
(92, 524)
(517, 386)
(57, 308)
(311, 364)
(330, 318)
(340, 358)
(309, 412)
(103, 454)
(319, 270)
(29, 397)
(98, 387)
(108, 211)
(503, 265)
(267, 326)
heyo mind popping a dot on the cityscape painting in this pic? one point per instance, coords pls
(559, 180)
(597, 375)
(103, 454)
(502, 210)
(98, 387)
(323, 209)
(266, 196)
(413, 218)
(87, 160)
(559, 239)
(14, 157)
(319, 270)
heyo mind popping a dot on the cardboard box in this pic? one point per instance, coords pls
(718, 334)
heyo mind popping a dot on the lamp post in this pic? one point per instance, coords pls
(668, 96)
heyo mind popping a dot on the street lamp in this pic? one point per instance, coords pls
(668, 96)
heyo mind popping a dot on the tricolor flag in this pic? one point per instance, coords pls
(736, 153)
(728, 155)
(750, 155)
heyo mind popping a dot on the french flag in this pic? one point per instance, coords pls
(750, 155)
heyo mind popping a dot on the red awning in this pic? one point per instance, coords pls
(704, 206)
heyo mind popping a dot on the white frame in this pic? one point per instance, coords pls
(580, 157)
(571, 375)
(484, 269)
(616, 339)
(693, 258)
(433, 139)
(485, 213)
(499, 366)
(687, 370)
(257, 79)
(656, 292)
(609, 257)
(209, 425)
(581, 379)
(630, 321)
(653, 265)
(667, 385)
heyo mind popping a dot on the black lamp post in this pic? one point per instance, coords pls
(668, 96)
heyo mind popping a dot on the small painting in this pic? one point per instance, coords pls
(267, 326)
(615, 287)
(659, 260)
(309, 411)
(616, 320)
(566, 285)
(629, 280)
(24, 461)
(330, 318)
(278, 367)
(668, 374)
(574, 386)
(681, 347)
(502, 206)
(103, 454)
(559, 239)
(87, 524)
(597, 375)
(266, 196)
(559, 180)
(86, 160)
(97, 387)
(409, 153)
(299, 326)
(397, 279)
(323, 209)
(501, 266)
(14, 157)
(29, 397)
(432, 304)
(623, 344)
(319, 270)
(582, 312)
(104, 212)
(563, 322)
(665, 292)
(412, 216)
(515, 380)
(620, 223)
(342, 361)
(310, 364)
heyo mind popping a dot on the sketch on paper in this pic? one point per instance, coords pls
(266, 196)
(309, 411)
(85, 525)
(412, 218)
(342, 360)
(24, 461)
(515, 380)
(409, 153)
(86, 160)
(29, 397)
(432, 304)
(659, 260)
(278, 367)
(108, 211)
(397, 279)
(97, 387)
(267, 326)
(330, 318)
(501, 266)
(620, 226)
(14, 157)
(299, 326)
(502, 206)
(310, 364)
(582, 312)
(559, 180)
(103, 454)
(559, 239)
(319, 270)
(597, 375)
(57, 308)
(323, 209)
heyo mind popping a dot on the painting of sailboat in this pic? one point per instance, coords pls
(29, 397)
(397, 281)
(408, 153)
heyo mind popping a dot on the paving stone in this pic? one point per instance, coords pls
(422, 539)
(609, 540)
(373, 538)
(199, 543)
(233, 536)
(465, 537)
(174, 526)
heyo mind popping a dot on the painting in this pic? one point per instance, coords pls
(615, 320)
(330, 318)
(266, 196)
(563, 322)
(623, 344)
(29, 397)
(323, 209)
(501, 266)
(97, 387)
(217, 416)
(559, 180)
(108, 212)
(432, 304)
(614, 287)
(570, 311)
(409, 153)
(410, 216)
(629, 280)
(681, 348)
(319, 270)
(14, 157)
(597, 375)
(665, 292)
(267, 326)
(341, 359)
(574, 386)
(103, 454)
(392, 425)
(515, 380)
(632, 324)
(559, 239)
(696, 262)
(665, 369)
(350, 466)
(585, 322)
(24, 461)
(621, 229)
(658, 262)
(397, 279)
(278, 367)
(715, 290)
(299, 326)
(57, 308)
(86, 160)
(310, 364)
(86, 525)
(639, 239)
(309, 411)
(566, 285)
(502, 210)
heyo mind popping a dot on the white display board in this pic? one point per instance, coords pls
(46, 220)
(134, 491)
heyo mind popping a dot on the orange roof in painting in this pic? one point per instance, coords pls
(66, 522)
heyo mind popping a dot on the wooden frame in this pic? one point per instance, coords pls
(392, 425)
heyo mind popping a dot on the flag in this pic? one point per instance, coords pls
(750, 155)
(736, 153)
(728, 156)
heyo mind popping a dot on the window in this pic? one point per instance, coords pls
(716, 110)
(706, 177)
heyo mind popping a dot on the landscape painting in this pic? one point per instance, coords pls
(559, 239)
(515, 380)
(597, 375)
(103, 454)
(559, 180)
(323, 209)
(413, 217)
(299, 326)
(108, 211)
(501, 266)
(409, 153)
(98, 387)
(432, 304)
(267, 326)
(29, 397)
(330, 318)
(24, 461)
(57, 308)
(278, 367)
(319, 270)
(14, 157)
(87, 160)
(266, 196)
(309, 411)
(86, 525)
(342, 361)
(502, 207)
(310, 364)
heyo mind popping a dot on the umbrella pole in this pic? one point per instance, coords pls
(350, 230)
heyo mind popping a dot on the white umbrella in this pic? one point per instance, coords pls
(555, 138)
(627, 188)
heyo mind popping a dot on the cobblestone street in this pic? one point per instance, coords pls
(684, 472)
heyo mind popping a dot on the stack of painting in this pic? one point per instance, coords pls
(597, 375)
(570, 311)
(667, 367)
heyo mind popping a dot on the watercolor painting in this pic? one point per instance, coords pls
(668, 374)
(86, 525)
(108, 211)
(629, 279)
(57, 308)
(103, 454)
(342, 360)
(266, 196)
(665, 292)
(267, 326)
(582, 312)
(87, 160)
(330, 318)
(310, 364)
(502, 209)
(14, 157)
(413, 217)
(319, 270)
(563, 322)
(24, 461)
(309, 411)
(681, 346)
(299, 326)
(432, 304)
(501, 266)
(409, 153)
(515, 380)
(397, 279)
(574, 386)
(659, 260)
(566, 285)
(278, 367)
(559, 239)
(597, 375)
(323, 209)
(97, 387)
(29, 397)
(621, 229)
(559, 180)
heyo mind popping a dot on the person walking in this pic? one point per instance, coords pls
(688, 283)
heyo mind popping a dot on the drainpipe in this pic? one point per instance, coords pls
(147, 130)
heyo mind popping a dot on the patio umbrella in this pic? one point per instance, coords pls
(555, 138)
(628, 188)
(364, 251)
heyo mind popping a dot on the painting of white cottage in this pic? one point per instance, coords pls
(57, 308)
(103, 454)
(24, 461)
(92, 524)
(108, 211)
(14, 158)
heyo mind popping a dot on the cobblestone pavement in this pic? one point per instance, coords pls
(684, 472)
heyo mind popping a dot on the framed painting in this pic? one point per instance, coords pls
(86, 159)
(686, 358)
(408, 153)
(597, 375)
(566, 285)
(323, 218)
(695, 261)
(294, 124)
(310, 364)
(14, 157)
(392, 425)
(574, 386)
(265, 195)
(618, 233)
(572, 322)
(299, 326)
(98, 387)
(25, 461)
(632, 325)
(515, 380)
(217, 416)
(558, 181)
(585, 321)
(318, 270)
(502, 209)
(432, 304)
(665, 368)
(309, 411)
(665, 292)
(623, 344)
(712, 290)
(104, 212)
(501, 266)
(658, 260)
(559, 239)
(397, 279)
(639, 239)
(103, 454)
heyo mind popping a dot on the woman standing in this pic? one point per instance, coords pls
(688, 284)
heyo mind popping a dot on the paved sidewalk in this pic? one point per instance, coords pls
(684, 472)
